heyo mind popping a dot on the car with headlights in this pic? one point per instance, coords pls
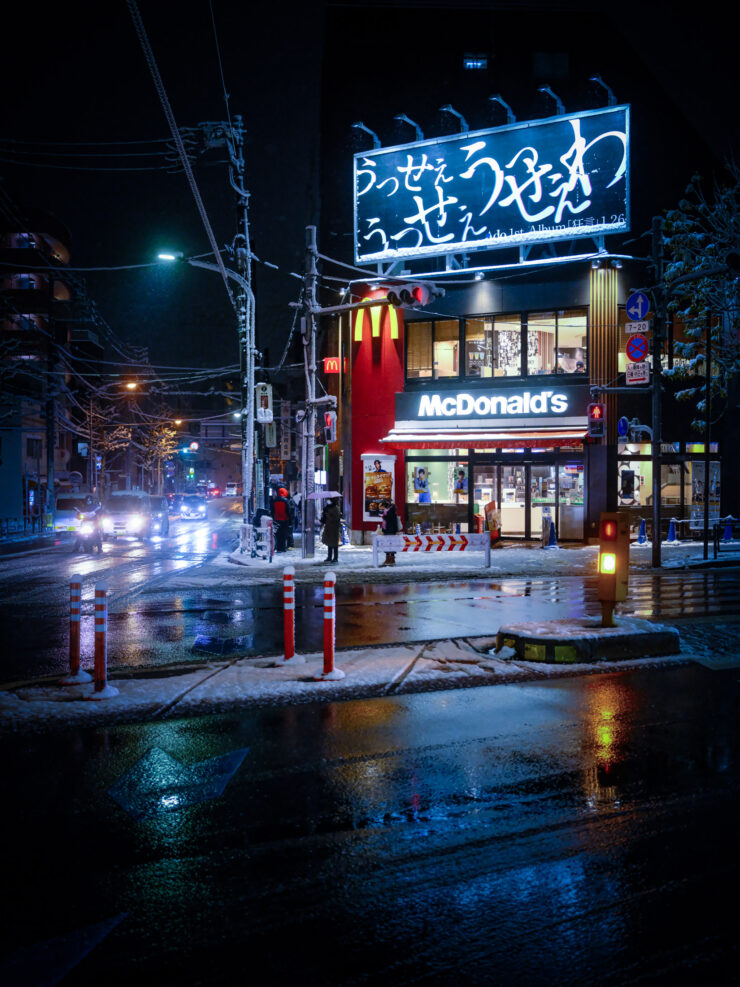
(174, 503)
(193, 507)
(70, 507)
(160, 516)
(128, 514)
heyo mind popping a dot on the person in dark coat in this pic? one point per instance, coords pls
(330, 533)
(390, 526)
(281, 517)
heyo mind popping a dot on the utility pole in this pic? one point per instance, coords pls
(50, 409)
(308, 507)
(658, 334)
(231, 135)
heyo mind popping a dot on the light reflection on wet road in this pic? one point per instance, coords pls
(579, 831)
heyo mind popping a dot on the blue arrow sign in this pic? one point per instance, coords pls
(623, 426)
(160, 783)
(638, 305)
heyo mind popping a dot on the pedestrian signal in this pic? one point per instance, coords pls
(597, 420)
(613, 566)
(330, 426)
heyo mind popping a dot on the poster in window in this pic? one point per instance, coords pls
(378, 484)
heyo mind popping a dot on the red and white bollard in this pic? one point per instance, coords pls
(291, 658)
(330, 673)
(76, 675)
(101, 690)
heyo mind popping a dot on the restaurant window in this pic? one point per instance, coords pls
(447, 348)
(556, 342)
(419, 349)
(493, 346)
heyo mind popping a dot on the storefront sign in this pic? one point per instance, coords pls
(479, 406)
(544, 180)
(331, 364)
(378, 482)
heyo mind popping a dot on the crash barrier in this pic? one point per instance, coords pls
(330, 673)
(291, 658)
(264, 540)
(432, 543)
(101, 690)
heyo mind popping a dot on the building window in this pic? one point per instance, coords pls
(419, 349)
(493, 346)
(556, 342)
(447, 348)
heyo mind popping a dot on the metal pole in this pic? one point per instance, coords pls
(707, 434)
(656, 388)
(309, 343)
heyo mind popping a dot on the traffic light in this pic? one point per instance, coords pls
(415, 294)
(330, 426)
(597, 420)
(614, 557)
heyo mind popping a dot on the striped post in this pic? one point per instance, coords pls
(101, 690)
(330, 673)
(291, 658)
(75, 611)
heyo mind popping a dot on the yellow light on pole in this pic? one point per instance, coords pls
(613, 564)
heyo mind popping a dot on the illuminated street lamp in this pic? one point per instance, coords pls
(247, 352)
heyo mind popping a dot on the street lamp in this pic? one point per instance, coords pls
(247, 351)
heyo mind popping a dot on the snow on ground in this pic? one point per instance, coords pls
(241, 683)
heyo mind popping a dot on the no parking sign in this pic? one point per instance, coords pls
(637, 348)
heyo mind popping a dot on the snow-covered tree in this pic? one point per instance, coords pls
(700, 233)
(156, 441)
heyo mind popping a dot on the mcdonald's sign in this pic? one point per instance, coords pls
(376, 319)
(331, 364)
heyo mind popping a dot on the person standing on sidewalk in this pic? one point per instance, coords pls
(331, 521)
(390, 526)
(281, 517)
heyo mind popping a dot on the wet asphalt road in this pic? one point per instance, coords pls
(148, 628)
(579, 831)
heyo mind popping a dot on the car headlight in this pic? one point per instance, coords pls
(107, 524)
(86, 528)
(135, 522)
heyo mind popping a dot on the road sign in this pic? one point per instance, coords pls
(637, 373)
(638, 305)
(623, 427)
(637, 347)
(643, 326)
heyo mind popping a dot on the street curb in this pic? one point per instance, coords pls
(568, 642)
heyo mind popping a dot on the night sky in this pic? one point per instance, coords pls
(300, 74)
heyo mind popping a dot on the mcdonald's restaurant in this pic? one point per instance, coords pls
(471, 415)
(468, 406)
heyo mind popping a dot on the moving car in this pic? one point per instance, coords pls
(193, 507)
(160, 511)
(230, 490)
(69, 506)
(174, 503)
(128, 514)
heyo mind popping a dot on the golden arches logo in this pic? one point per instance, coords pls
(375, 321)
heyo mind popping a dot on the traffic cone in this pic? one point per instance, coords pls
(672, 532)
(727, 536)
(642, 536)
(552, 541)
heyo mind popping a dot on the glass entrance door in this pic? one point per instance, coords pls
(513, 481)
(543, 492)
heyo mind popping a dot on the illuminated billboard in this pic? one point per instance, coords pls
(539, 181)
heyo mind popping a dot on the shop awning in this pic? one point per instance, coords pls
(458, 438)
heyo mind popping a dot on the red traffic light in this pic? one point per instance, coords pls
(608, 531)
(596, 411)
